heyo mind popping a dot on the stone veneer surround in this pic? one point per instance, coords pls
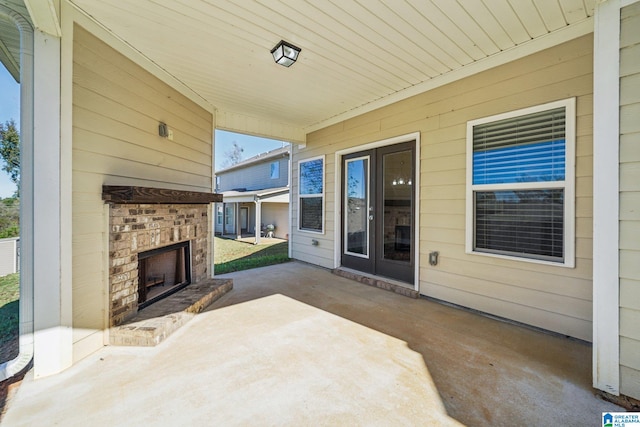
(135, 228)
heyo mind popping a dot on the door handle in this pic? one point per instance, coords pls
(370, 217)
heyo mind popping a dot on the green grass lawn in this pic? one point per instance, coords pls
(9, 313)
(231, 255)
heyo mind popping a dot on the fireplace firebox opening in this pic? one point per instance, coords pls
(162, 272)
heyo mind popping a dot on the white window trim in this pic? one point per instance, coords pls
(322, 194)
(569, 183)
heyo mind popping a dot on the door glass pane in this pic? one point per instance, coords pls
(357, 206)
(397, 212)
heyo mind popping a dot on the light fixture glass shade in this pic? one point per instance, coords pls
(285, 53)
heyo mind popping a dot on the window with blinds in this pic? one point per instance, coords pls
(311, 195)
(517, 183)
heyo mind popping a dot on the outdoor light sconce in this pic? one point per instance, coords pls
(285, 53)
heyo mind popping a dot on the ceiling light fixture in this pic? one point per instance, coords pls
(285, 53)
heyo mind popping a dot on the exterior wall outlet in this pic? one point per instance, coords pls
(162, 129)
(433, 258)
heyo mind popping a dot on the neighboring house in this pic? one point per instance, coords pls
(255, 195)
(394, 110)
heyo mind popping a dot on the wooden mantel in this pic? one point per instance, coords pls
(130, 194)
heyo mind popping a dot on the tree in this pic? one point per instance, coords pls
(233, 156)
(9, 217)
(10, 154)
(10, 150)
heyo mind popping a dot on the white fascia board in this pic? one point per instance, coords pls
(44, 15)
(257, 126)
(238, 199)
(281, 198)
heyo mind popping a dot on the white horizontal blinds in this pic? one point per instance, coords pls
(528, 148)
(517, 219)
(524, 223)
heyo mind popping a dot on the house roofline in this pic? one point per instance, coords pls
(233, 196)
(277, 153)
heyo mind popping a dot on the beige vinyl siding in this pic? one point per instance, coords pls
(630, 201)
(116, 110)
(547, 296)
(278, 215)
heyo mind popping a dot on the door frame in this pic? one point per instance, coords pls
(337, 240)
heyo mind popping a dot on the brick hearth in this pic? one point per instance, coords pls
(136, 228)
(156, 322)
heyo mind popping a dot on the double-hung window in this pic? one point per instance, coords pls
(520, 184)
(219, 213)
(311, 195)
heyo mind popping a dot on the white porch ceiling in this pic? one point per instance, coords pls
(354, 53)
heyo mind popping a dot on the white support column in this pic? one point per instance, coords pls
(289, 182)
(224, 219)
(606, 163)
(52, 298)
(213, 208)
(258, 220)
(237, 218)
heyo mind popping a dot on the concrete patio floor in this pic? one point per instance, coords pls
(293, 344)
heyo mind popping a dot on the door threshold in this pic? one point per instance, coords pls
(377, 281)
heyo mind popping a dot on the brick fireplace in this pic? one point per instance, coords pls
(142, 221)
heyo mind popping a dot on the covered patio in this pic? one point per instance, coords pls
(130, 94)
(294, 344)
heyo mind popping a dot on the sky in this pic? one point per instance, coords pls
(252, 145)
(9, 109)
